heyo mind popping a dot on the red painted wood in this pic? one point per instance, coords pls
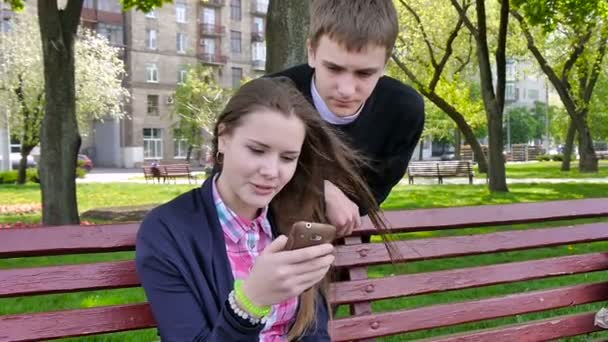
(48, 325)
(542, 330)
(358, 273)
(458, 313)
(66, 240)
(421, 283)
(424, 249)
(486, 215)
(69, 278)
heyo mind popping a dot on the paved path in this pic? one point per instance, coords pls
(110, 175)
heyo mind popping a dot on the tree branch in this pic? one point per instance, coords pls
(501, 51)
(576, 53)
(424, 34)
(465, 62)
(71, 15)
(597, 65)
(467, 22)
(448, 52)
(560, 85)
(409, 73)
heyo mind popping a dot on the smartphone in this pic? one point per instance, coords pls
(306, 234)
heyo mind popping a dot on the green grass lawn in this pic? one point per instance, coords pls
(552, 170)
(91, 195)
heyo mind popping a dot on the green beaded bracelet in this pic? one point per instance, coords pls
(258, 311)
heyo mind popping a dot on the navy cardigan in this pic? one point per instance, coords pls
(184, 269)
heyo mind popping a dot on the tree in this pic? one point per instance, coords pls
(434, 53)
(493, 98)
(59, 139)
(98, 66)
(582, 27)
(524, 125)
(286, 33)
(198, 102)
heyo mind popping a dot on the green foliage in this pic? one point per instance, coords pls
(543, 157)
(198, 102)
(10, 177)
(550, 14)
(525, 125)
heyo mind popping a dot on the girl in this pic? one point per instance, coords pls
(212, 262)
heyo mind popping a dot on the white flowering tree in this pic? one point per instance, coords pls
(98, 81)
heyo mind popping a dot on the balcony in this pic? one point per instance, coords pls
(212, 30)
(259, 7)
(213, 3)
(257, 35)
(212, 58)
(258, 64)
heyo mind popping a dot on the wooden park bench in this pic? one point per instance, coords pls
(154, 173)
(174, 171)
(362, 293)
(602, 154)
(440, 170)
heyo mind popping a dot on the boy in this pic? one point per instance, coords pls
(349, 44)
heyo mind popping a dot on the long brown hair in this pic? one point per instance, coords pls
(324, 156)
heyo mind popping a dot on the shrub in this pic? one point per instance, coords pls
(543, 157)
(8, 177)
(558, 157)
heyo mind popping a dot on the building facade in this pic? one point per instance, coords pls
(158, 47)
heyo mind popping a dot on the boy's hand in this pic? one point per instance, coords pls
(340, 210)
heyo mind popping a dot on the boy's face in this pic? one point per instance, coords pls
(345, 79)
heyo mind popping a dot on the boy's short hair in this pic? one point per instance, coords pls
(354, 23)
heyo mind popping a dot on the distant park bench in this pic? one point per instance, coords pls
(440, 170)
(169, 171)
(360, 291)
(602, 154)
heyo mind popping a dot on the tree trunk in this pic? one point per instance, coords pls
(22, 173)
(493, 102)
(286, 33)
(59, 134)
(463, 127)
(588, 161)
(568, 147)
(457, 144)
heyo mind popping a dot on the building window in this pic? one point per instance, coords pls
(182, 42)
(237, 76)
(153, 143)
(153, 105)
(153, 14)
(180, 12)
(151, 73)
(510, 92)
(235, 10)
(182, 73)
(113, 6)
(533, 94)
(180, 145)
(235, 41)
(152, 39)
(260, 6)
(258, 25)
(208, 16)
(258, 51)
(209, 46)
(113, 33)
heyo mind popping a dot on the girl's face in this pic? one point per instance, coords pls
(259, 158)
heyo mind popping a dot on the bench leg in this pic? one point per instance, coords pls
(411, 180)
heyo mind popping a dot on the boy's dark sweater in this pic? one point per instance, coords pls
(386, 131)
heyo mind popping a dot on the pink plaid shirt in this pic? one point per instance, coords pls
(245, 240)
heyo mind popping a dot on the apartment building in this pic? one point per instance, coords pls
(158, 47)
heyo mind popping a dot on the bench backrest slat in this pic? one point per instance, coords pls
(383, 324)
(67, 278)
(464, 278)
(488, 215)
(67, 240)
(541, 330)
(48, 325)
(432, 248)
